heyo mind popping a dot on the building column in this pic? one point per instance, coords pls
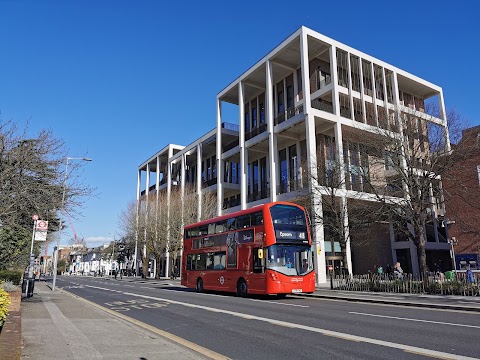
(169, 191)
(339, 144)
(295, 88)
(318, 247)
(219, 159)
(243, 150)
(199, 181)
(362, 90)
(350, 94)
(299, 184)
(137, 220)
(272, 141)
(374, 93)
(147, 210)
(443, 114)
(157, 193)
(334, 77)
(385, 97)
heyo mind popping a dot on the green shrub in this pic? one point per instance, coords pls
(11, 275)
(4, 303)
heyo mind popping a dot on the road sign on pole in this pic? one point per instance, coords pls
(41, 227)
(35, 217)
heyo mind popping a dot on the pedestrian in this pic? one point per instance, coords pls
(115, 273)
(398, 271)
(380, 270)
(175, 270)
(469, 276)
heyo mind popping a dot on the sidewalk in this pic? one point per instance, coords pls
(56, 324)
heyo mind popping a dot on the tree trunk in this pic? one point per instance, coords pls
(422, 257)
(158, 260)
(145, 265)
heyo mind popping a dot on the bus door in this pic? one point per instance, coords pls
(257, 276)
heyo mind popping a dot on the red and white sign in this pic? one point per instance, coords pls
(41, 228)
(35, 217)
(41, 225)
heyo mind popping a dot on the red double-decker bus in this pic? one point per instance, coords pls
(262, 250)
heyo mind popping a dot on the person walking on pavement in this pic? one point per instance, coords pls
(174, 273)
(398, 271)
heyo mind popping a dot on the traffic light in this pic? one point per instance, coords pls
(41, 260)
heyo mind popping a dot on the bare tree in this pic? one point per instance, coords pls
(184, 211)
(32, 178)
(407, 158)
(335, 174)
(159, 222)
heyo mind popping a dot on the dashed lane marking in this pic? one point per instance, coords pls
(416, 320)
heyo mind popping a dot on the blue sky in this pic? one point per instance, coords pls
(119, 80)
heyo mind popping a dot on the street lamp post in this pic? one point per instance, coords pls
(55, 257)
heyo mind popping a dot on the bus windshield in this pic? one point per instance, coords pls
(290, 259)
(289, 223)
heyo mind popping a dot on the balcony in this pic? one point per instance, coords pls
(230, 203)
(210, 182)
(230, 126)
(256, 131)
(230, 146)
(323, 105)
(345, 112)
(289, 185)
(259, 194)
(289, 113)
(319, 80)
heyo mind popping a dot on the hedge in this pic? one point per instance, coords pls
(11, 275)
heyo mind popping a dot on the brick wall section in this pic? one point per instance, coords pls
(11, 337)
(462, 195)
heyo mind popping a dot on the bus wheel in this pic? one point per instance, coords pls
(199, 285)
(242, 288)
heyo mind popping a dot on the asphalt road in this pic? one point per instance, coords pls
(290, 328)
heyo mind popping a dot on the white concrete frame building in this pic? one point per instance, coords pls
(308, 90)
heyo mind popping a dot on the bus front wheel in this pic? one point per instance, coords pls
(242, 288)
(199, 285)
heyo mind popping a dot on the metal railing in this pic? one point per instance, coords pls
(437, 283)
(322, 105)
(256, 131)
(230, 146)
(230, 126)
(289, 113)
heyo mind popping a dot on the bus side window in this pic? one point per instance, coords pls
(211, 229)
(257, 218)
(203, 230)
(231, 224)
(243, 221)
(220, 227)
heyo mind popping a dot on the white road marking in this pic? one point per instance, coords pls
(416, 320)
(128, 285)
(279, 303)
(408, 348)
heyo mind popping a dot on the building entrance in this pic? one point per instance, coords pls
(337, 263)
